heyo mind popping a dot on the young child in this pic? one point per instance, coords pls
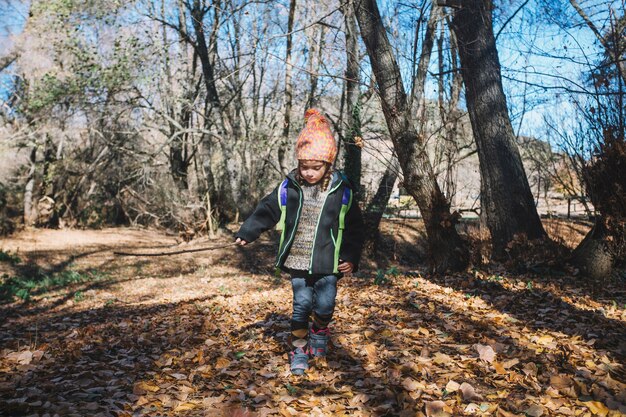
(321, 239)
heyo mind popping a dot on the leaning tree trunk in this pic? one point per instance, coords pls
(448, 251)
(374, 211)
(507, 199)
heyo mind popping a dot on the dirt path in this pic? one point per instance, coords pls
(204, 335)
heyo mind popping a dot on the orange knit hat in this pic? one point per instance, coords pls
(316, 141)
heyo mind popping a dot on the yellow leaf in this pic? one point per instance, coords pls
(441, 358)
(386, 333)
(597, 408)
(499, 368)
(544, 340)
(371, 352)
(368, 333)
(143, 387)
(185, 407)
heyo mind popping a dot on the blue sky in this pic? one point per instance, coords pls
(12, 18)
(524, 52)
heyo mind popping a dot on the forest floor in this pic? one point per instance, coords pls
(84, 332)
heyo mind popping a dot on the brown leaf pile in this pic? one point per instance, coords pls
(209, 339)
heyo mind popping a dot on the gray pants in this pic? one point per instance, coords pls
(312, 295)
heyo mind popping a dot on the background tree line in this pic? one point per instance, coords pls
(182, 113)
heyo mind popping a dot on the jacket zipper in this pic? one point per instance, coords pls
(293, 230)
(318, 225)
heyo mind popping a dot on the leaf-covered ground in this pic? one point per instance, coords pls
(205, 334)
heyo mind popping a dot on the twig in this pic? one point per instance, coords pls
(175, 252)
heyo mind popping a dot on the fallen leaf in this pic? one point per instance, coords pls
(534, 411)
(504, 413)
(597, 408)
(144, 387)
(209, 401)
(359, 399)
(412, 385)
(560, 382)
(510, 363)
(371, 352)
(545, 340)
(221, 363)
(485, 352)
(185, 407)
(437, 409)
(452, 386)
(23, 358)
(441, 358)
(468, 392)
(499, 368)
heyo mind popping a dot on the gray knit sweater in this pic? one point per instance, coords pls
(313, 199)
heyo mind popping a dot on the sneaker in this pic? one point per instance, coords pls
(318, 341)
(299, 358)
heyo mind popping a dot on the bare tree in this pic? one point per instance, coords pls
(288, 87)
(447, 250)
(507, 200)
(352, 154)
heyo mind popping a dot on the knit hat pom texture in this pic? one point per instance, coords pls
(316, 141)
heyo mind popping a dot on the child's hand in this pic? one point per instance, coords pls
(241, 242)
(345, 267)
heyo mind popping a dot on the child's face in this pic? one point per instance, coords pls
(312, 171)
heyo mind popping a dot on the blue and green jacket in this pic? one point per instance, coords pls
(339, 233)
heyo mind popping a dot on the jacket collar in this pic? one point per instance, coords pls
(335, 178)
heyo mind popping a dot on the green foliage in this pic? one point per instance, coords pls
(24, 287)
(10, 258)
(383, 276)
(48, 91)
(86, 71)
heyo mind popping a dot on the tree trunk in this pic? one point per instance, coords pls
(288, 89)
(213, 111)
(179, 164)
(315, 63)
(419, 81)
(506, 195)
(448, 251)
(352, 156)
(7, 59)
(593, 256)
(375, 209)
(29, 218)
